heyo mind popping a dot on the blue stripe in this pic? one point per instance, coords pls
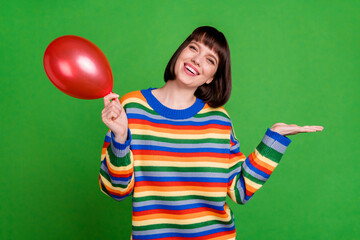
(254, 169)
(182, 123)
(183, 235)
(179, 150)
(234, 151)
(278, 137)
(181, 179)
(112, 177)
(181, 207)
(119, 198)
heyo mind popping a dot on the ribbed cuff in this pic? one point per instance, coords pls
(278, 137)
(120, 149)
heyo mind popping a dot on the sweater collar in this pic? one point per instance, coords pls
(161, 109)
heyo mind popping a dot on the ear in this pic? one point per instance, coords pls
(209, 81)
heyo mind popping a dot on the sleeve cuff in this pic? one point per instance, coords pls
(278, 137)
(121, 146)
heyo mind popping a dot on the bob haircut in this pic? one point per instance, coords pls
(216, 93)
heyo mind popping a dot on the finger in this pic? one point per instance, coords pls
(114, 105)
(308, 129)
(108, 97)
(111, 108)
(319, 128)
(112, 115)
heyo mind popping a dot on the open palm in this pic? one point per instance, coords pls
(293, 129)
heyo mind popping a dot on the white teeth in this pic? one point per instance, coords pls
(190, 69)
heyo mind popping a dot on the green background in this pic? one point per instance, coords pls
(295, 62)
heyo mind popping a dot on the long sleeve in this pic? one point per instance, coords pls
(116, 178)
(248, 174)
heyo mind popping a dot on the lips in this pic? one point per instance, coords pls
(190, 69)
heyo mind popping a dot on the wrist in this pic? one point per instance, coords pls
(274, 129)
(120, 138)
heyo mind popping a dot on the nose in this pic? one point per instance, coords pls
(196, 60)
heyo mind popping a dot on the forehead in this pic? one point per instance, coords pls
(206, 47)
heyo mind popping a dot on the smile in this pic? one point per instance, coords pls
(190, 70)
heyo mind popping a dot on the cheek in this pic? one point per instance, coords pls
(210, 70)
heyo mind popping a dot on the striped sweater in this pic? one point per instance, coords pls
(179, 166)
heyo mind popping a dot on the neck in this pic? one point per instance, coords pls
(175, 96)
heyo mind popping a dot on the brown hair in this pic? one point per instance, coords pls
(216, 93)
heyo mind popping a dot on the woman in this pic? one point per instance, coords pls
(174, 148)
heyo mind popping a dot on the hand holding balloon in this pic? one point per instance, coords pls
(114, 117)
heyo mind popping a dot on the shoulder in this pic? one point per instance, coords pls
(219, 111)
(135, 96)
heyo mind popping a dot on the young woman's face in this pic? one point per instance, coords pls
(196, 65)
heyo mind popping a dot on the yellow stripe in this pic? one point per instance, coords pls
(220, 109)
(121, 190)
(178, 193)
(180, 164)
(180, 221)
(136, 100)
(251, 183)
(264, 159)
(179, 136)
(121, 168)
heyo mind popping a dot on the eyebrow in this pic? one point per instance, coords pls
(211, 55)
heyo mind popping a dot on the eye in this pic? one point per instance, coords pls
(192, 47)
(211, 61)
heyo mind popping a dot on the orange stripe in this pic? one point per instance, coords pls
(134, 94)
(237, 157)
(177, 212)
(220, 236)
(140, 157)
(119, 193)
(142, 122)
(231, 234)
(178, 183)
(263, 164)
(179, 216)
(249, 189)
(259, 167)
(114, 172)
(156, 153)
(194, 131)
(177, 188)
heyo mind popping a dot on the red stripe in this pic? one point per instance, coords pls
(180, 127)
(170, 184)
(261, 168)
(176, 154)
(120, 175)
(206, 237)
(248, 193)
(177, 212)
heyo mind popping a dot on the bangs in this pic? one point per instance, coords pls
(213, 40)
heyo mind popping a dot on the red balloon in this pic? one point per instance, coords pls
(78, 67)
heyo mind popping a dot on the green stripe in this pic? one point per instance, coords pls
(138, 105)
(237, 192)
(269, 152)
(179, 198)
(246, 174)
(211, 113)
(180, 169)
(180, 226)
(238, 164)
(105, 175)
(104, 189)
(184, 141)
(118, 162)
